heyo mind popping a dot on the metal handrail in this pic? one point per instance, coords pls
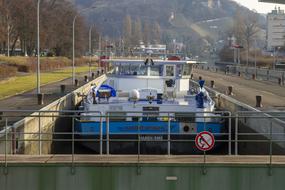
(39, 136)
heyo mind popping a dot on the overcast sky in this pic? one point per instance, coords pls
(259, 7)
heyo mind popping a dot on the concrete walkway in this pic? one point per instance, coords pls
(273, 95)
(142, 159)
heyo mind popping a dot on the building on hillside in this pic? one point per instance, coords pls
(275, 29)
(214, 4)
(176, 47)
(154, 49)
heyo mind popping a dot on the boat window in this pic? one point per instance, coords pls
(156, 70)
(179, 70)
(115, 70)
(169, 70)
(138, 70)
(185, 117)
(187, 68)
(117, 116)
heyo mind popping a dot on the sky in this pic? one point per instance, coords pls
(259, 7)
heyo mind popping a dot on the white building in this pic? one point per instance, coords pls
(275, 29)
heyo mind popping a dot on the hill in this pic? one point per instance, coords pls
(183, 20)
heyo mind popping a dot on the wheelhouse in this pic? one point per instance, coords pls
(157, 74)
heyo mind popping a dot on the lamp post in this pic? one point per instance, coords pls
(73, 41)
(100, 52)
(255, 44)
(276, 52)
(90, 48)
(38, 48)
(8, 37)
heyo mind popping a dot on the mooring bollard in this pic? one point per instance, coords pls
(62, 89)
(76, 82)
(40, 99)
(258, 101)
(191, 76)
(86, 78)
(93, 75)
(200, 78)
(230, 90)
(212, 84)
(280, 81)
(253, 77)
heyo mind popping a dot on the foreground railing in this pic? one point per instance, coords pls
(41, 131)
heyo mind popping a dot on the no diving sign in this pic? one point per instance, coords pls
(205, 141)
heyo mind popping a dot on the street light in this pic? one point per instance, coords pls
(73, 41)
(8, 36)
(90, 48)
(255, 44)
(275, 56)
(38, 48)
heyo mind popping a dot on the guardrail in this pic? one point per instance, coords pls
(271, 133)
(275, 76)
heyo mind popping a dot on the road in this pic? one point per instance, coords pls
(244, 90)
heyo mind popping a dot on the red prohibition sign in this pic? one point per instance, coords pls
(205, 141)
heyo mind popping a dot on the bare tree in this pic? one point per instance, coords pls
(137, 33)
(246, 28)
(127, 30)
(146, 32)
(156, 32)
(56, 26)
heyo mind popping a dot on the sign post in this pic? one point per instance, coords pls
(205, 141)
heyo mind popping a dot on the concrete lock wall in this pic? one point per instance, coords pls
(150, 177)
(257, 122)
(266, 124)
(28, 128)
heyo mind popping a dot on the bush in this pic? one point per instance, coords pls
(7, 71)
(29, 64)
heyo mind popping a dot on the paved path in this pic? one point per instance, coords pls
(273, 95)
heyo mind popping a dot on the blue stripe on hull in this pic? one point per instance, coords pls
(131, 127)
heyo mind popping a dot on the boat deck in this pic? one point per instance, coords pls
(142, 159)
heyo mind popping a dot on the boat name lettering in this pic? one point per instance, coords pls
(157, 128)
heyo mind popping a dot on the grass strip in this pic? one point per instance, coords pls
(20, 84)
